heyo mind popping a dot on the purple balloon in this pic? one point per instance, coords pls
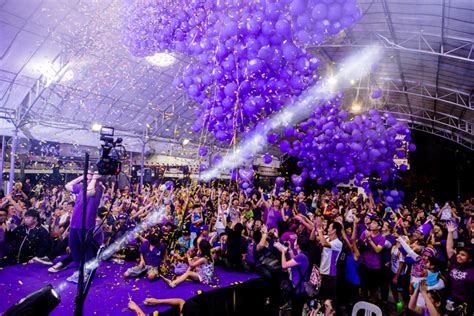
(288, 131)
(272, 138)
(280, 181)
(285, 146)
(217, 159)
(169, 184)
(246, 174)
(320, 11)
(297, 180)
(376, 94)
(203, 151)
(267, 159)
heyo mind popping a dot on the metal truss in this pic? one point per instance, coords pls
(441, 118)
(8, 114)
(423, 90)
(39, 87)
(418, 126)
(414, 42)
(425, 125)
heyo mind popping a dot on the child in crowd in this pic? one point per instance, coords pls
(152, 254)
(201, 267)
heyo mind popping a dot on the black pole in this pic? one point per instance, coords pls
(80, 284)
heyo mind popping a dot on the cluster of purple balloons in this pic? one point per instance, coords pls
(248, 56)
(333, 147)
(316, 18)
(244, 176)
(394, 198)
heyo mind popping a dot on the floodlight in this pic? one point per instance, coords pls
(38, 303)
(161, 59)
(356, 107)
(96, 127)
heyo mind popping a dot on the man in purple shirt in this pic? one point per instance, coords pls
(299, 267)
(371, 243)
(94, 194)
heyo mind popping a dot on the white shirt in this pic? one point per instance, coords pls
(329, 257)
(219, 223)
(396, 258)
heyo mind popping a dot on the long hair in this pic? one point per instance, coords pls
(205, 248)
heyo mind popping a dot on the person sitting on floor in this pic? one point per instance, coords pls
(152, 254)
(201, 268)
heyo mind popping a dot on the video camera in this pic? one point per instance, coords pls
(111, 154)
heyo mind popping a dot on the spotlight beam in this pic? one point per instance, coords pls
(354, 67)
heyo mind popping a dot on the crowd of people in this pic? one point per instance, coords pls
(416, 259)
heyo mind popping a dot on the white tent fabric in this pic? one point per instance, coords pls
(63, 67)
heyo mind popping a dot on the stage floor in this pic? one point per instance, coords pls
(109, 291)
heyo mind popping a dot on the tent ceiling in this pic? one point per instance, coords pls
(427, 73)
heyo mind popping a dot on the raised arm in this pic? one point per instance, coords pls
(412, 304)
(262, 242)
(407, 248)
(70, 184)
(450, 240)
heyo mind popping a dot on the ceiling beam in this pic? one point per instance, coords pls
(421, 41)
(388, 15)
(441, 50)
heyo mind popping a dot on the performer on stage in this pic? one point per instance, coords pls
(94, 194)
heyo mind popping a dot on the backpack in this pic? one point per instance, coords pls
(313, 285)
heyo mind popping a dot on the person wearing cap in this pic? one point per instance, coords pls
(371, 243)
(30, 239)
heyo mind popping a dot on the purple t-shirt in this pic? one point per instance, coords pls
(296, 275)
(153, 257)
(369, 257)
(92, 206)
(462, 282)
(273, 216)
(302, 209)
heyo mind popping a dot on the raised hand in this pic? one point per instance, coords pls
(451, 227)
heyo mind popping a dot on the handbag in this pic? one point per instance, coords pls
(313, 285)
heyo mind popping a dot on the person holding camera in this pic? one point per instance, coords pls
(298, 267)
(94, 195)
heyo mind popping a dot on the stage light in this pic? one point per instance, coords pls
(332, 81)
(185, 141)
(161, 59)
(96, 127)
(356, 107)
(41, 302)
